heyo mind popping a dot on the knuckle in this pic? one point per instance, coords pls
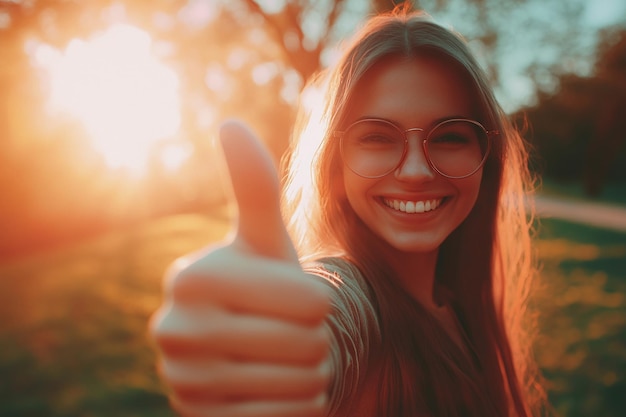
(181, 332)
(318, 380)
(156, 327)
(174, 271)
(319, 405)
(191, 269)
(168, 326)
(324, 372)
(192, 284)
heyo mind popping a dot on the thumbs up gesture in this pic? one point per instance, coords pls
(241, 329)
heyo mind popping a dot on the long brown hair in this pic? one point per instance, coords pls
(485, 265)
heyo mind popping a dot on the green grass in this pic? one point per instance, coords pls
(582, 348)
(73, 322)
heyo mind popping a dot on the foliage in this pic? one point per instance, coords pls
(73, 322)
(577, 132)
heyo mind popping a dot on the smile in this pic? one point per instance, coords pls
(412, 206)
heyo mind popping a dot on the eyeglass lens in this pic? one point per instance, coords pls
(455, 148)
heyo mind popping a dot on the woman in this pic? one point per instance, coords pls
(405, 194)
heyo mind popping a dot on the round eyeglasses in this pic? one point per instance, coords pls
(454, 148)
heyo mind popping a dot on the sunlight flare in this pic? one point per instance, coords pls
(126, 99)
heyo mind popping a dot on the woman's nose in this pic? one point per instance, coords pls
(414, 166)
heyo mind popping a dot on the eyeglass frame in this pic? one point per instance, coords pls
(488, 134)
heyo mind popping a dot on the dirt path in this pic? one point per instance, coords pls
(594, 214)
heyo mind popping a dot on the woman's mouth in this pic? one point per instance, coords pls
(411, 207)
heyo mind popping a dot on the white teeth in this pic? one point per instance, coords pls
(413, 206)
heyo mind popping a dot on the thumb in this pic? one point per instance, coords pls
(255, 183)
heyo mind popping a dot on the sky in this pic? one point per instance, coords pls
(600, 13)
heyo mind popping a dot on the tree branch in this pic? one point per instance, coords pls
(332, 19)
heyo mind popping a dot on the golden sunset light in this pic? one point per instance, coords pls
(167, 166)
(114, 86)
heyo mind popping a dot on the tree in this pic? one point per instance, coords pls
(577, 131)
(609, 119)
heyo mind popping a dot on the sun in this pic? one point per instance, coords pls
(126, 99)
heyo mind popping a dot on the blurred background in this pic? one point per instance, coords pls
(107, 173)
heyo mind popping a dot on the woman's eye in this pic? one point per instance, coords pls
(450, 138)
(377, 139)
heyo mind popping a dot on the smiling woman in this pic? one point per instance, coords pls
(126, 99)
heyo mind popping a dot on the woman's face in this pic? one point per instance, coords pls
(412, 209)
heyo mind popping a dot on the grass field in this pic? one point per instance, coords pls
(73, 323)
(582, 348)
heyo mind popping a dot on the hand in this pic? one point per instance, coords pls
(241, 327)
